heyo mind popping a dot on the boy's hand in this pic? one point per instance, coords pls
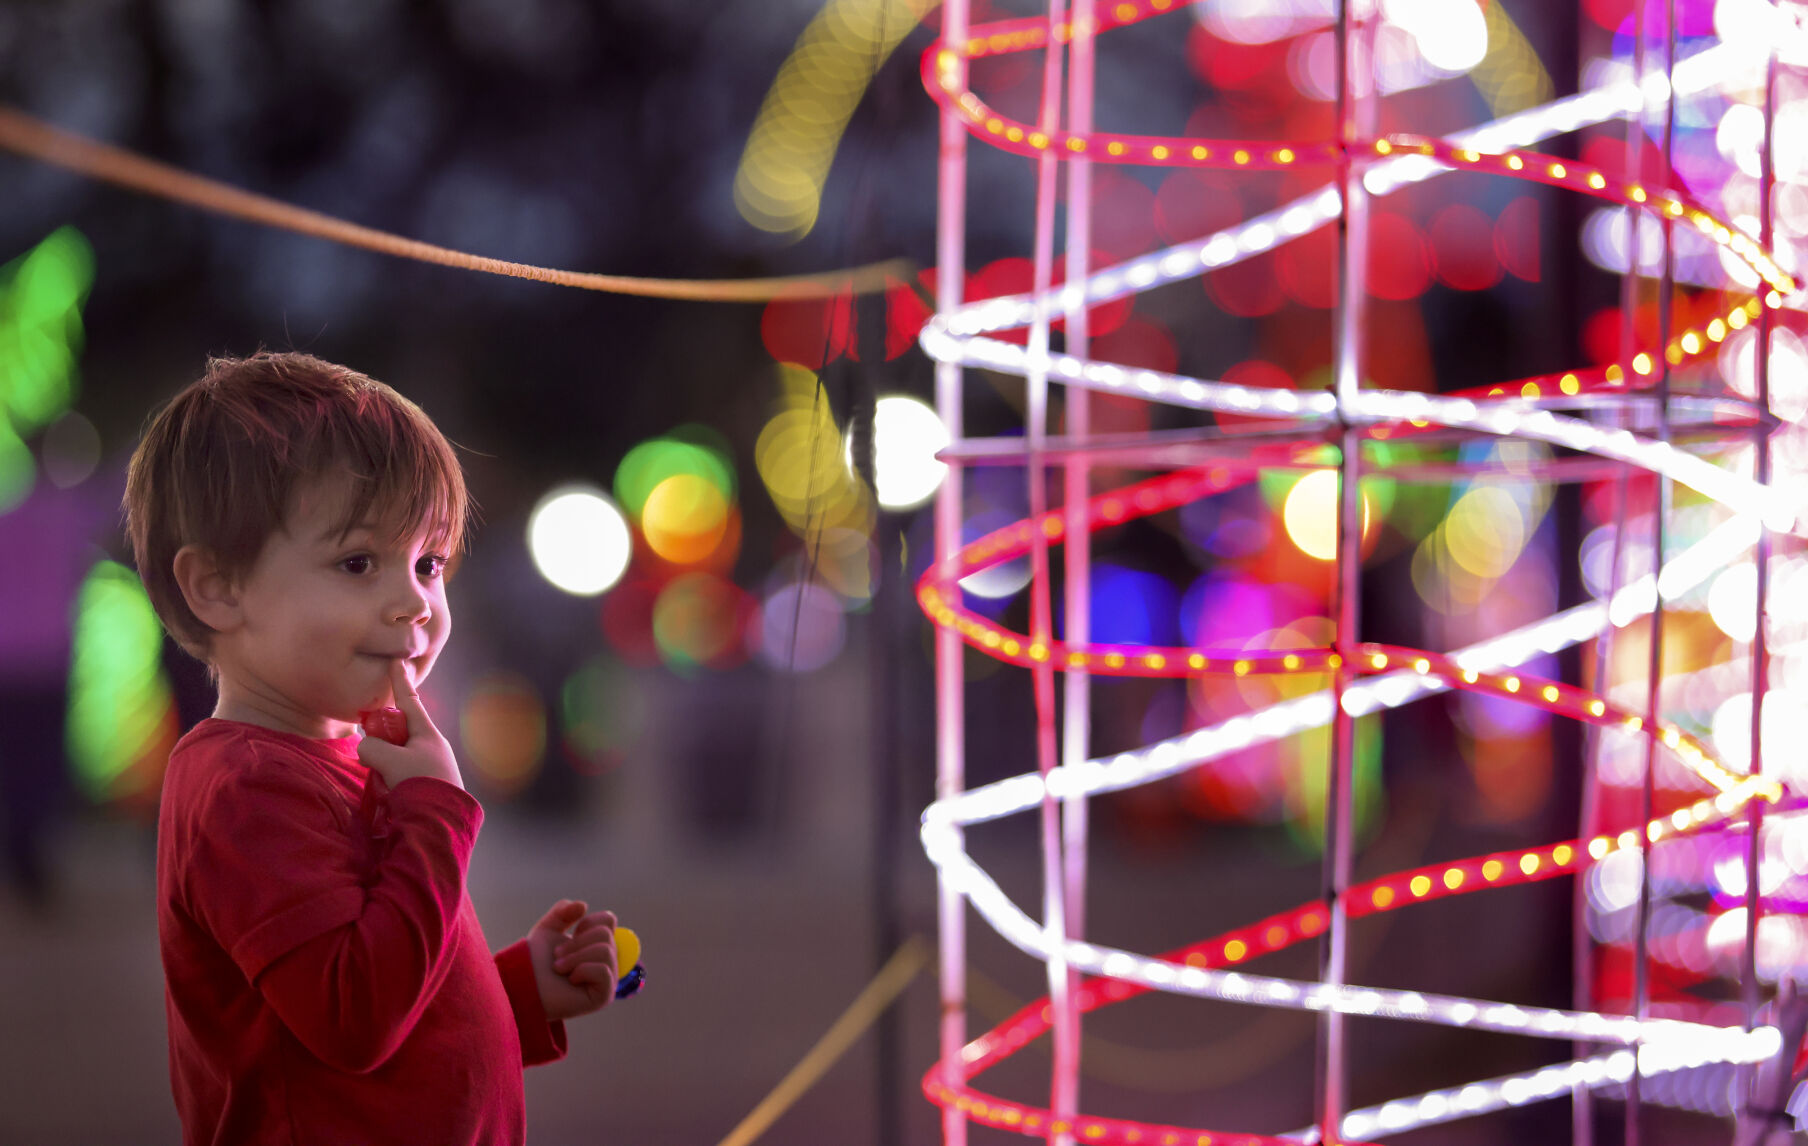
(426, 752)
(574, 959)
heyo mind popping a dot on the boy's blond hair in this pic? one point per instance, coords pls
(221, 464)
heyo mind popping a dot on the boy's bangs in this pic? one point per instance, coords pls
(401, 480)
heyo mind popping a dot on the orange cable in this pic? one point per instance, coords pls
(36, 139)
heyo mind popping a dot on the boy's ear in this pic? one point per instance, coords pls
(210, 594)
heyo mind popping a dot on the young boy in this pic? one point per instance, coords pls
(327, 979)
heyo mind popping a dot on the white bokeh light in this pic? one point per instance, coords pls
(1785, 723)
(1452, 34)
(1733, 601)
(579, 540)
(1740, 136)
(907, 434)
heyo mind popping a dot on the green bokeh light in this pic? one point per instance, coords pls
(18, 469)
(695, 620)
(119, 697)
(41, 336)
(596, 711)
(694, 450)
(1306, 791)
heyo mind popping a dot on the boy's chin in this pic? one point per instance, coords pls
(339, 727)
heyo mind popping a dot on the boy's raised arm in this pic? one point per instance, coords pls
(347, 967)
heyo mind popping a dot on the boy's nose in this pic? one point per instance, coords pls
(412, 608)
(413, 616)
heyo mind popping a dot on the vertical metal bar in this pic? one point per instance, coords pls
(1076, 733)
(1064, 1073)
(1750, 992)
(1354, 125)
(950, 687)
(1582, 944)
(1631, 295)
(1641, 983)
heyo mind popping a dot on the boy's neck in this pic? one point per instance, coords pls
(247, 707)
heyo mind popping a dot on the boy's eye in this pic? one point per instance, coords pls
(432, 565)
(357, 563)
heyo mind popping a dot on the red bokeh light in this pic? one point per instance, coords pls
(1123, 215)
(1399, 267)
(1516, 238)
(1191, 204)
(1608, 152)
(1249, 289)
(1258, 70)
(905, 313)
(1308, 268)
(1139, 342)
(627, 622)
(1462, 248)
(1255, 373)
(810, 332)
(1693, 17)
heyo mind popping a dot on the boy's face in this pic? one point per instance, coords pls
(322, 618)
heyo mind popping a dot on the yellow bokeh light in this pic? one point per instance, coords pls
(1485, 531)
(779, 184)
(502, 729)
(1310, 514)
(684, 518)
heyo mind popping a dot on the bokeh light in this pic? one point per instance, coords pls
(1485, 531)
(907, 434)
(801, 627)
(997, 581)
(698, 620)
(71, 450)
(779, 184)
(684, 519)
(41, 335)
(626, 618)
(846, 561)
(1733, 601)
(579, 540)
(1133, 607)
(802, 461)
(502, 731)
(600, 721)
(18, 470)
(1452, 35)
(691, 450)
(122, 717)
(1310, 514)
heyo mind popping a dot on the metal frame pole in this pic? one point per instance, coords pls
(1064, 1071)
(1641, 984)
(950, 685)
(1076, 732)
(1751, 992)
(1355, 99)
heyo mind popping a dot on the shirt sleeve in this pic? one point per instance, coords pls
(347, 958)
(542, 1040)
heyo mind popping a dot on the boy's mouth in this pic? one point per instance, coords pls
(405, 657)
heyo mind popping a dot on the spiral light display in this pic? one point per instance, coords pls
(1586, 412)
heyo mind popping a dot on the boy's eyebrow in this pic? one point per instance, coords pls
(334, 533)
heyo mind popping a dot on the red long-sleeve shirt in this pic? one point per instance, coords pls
(327, 979)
